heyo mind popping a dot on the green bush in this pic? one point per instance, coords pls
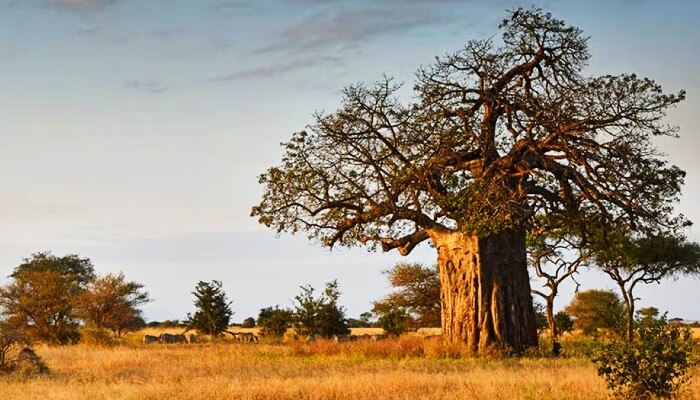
(273, 322)
(395, 322)
(655, 364)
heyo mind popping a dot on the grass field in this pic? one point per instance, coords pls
(393, 369)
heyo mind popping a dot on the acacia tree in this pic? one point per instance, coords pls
(417, 294)
(112, 302)
(39, 300)
(594, 310)
(501, 132)
(630, 260)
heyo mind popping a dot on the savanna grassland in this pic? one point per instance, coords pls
(406, 368)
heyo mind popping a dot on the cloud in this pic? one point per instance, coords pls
(80, 4)
(272, 70)
(154, 87)
(351, 26)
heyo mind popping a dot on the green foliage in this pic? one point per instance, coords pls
(213, 309)
(654, 365)
(39, 300)
(320, 315)
(365, 321)
(596, 310)
(248, 323)
(416, 292)
(275, 321)
(111, 302)
(395, 322)
(564, 322)
(647, 314)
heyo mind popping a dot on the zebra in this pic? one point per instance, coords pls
(150, 339)
(170, 338)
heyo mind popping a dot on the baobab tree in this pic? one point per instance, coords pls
(504, 138)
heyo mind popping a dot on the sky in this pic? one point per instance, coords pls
(133, 132)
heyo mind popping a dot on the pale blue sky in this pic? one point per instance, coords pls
(132, 131)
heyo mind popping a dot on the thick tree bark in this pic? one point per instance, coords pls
(485, 290)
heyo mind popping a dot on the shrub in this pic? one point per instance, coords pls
(274, 322)
(248, 323)
(320, 315)
(654, 365)
(395, 322)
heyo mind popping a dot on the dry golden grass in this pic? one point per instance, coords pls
(393, 369)
(696, 332)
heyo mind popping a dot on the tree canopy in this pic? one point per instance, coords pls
(500, 131)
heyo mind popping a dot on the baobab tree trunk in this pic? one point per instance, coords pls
(485, 290)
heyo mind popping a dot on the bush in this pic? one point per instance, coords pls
(321, 315)
(654, 365)
(273, 322)
(248, 323)
(395, 322)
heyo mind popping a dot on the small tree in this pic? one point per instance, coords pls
(654, 365)
(416, 292)
(248, 323)
(274, 321)
(39, 300)
(320, 316)
(593, 310)
(111, 302)
(213, 309)
(395, 322)
(555, 257)
(564, 322)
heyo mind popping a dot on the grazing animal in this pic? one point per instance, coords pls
(192, 338)
(247, 337)
(170, 338)
(150, 339)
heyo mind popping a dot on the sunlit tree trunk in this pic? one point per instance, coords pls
(485, 290)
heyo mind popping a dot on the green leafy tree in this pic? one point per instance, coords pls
(506, 136)
(655, 365)
(320, 315)
(111, 302)
(564, 322)
(416, 292)
(248, 323)
(593, 310)
(630, 259)
(365, 321)
(39, 299)
(275, 321)
(647, 314)
(213, 309)
(395, 322)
